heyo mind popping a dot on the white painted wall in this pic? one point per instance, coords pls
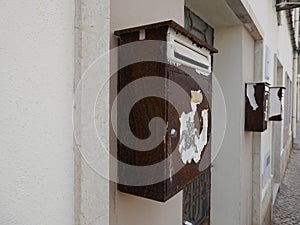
(36, 86)
(247, 137)
(91, 112)
(277, 38)
(134, 210)
(226, 171)
(145, 12)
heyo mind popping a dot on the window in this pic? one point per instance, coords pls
(198, 27)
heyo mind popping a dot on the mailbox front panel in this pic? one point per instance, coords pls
(189, 150)
(256, 106)
(184, 151)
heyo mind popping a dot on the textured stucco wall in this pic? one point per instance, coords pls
(276, 37)
(247, 137)
(36, 94)
(91, 112)
(144, 12)
(226, 175)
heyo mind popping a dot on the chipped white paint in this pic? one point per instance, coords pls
(198, 71)
(201, 140)
(191, 142)
(275, 103)
(266, 111)
(142, 35)
(251, 96)
(171, 170)
(174, 63)
(267, 88)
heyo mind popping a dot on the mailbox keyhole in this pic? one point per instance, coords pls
(173, 133)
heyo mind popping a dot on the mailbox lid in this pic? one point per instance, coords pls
(150, 31)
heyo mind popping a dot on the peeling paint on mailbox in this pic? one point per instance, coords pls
(276, 103)
(251, 97)
(256, 106)
(192, 142)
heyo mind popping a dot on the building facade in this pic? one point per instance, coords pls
(59, 64)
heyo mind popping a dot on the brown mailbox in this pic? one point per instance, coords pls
(165, 80)
(276, 103)
(256, 106)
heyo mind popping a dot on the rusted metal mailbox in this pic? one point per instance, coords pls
(276, 103)
(256, 106)
(165, 73)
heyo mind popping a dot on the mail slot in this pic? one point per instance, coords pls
(256, 106)
(165, 80)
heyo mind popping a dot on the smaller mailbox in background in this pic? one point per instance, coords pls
(256, 106)
(276, 103)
